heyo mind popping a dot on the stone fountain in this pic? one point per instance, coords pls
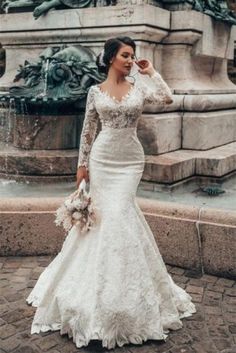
(190, 43)
(43, 116)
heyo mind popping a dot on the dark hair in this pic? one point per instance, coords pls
(111, 48)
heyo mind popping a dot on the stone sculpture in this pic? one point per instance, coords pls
(43, 6)
(215, 8)
(60, 73)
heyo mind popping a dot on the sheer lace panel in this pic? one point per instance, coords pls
(89, 129)
(119, 114)
(160, 95)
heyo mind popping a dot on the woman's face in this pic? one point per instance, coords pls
(124, 60)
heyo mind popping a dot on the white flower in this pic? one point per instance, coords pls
(69, 204)
(76, 215)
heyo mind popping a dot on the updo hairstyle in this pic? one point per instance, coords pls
(111, 48)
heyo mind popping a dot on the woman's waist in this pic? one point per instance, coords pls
(119, 130)
(118, 143)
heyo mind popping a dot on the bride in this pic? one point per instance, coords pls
(111, 284)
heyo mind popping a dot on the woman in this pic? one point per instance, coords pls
(111, 283)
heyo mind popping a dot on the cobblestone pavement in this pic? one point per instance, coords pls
(211, 330)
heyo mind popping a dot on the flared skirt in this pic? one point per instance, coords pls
(111, 283)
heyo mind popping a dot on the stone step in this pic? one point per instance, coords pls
(181, 164)
(18, 162)
(202, 131)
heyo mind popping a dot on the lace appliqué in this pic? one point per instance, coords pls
(118, 114)
(89, 130)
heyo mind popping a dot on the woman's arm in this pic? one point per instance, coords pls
(89, 130)
(161, 93)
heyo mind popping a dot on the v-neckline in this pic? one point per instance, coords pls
(113, 97)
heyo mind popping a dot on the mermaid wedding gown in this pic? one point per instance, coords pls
(111, 283)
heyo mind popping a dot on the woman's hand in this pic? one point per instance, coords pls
(82, 173)
(145, 67)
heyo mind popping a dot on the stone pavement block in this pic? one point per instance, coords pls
(177, 270)
(196, 298)
(229, 300)
(222, 343)
(225, 282)
(209, 278)
(11, 264)
(7, 331)
(193, 289)
(46, 343)
(182, 349)
(230, 317)
(23, 272)
(161, 347)
(212, 294)
(9, 344)
(3, 309)
(232, 328)
(204, 347)
(13, 297)
(230, 350)
(211, 310)
(16, 315)
(218, 331)
(197, 282)
(216, 288)
(193, 325)
(230, 308)
(214, 320)
(27, 349)
(2, 300)
(18, 279)
(22, 325)
(180, 279)
(184, 338)
(231, 292)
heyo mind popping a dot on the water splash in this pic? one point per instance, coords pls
(46, 79)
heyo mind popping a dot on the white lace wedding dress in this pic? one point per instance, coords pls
(111, 284)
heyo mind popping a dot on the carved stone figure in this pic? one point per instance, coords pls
(43, 6)
(215, 8)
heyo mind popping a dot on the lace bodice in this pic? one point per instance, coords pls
(118, 114)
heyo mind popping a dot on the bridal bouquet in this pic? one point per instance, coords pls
(77, 209)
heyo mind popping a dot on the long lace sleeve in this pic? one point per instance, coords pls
(89, 130)
(159, 94)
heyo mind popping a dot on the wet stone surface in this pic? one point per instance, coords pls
(211, 330)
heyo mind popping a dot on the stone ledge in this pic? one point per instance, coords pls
(174, 166)
(160, 133)
(187, 236)
(38, 162)
(202, 131)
